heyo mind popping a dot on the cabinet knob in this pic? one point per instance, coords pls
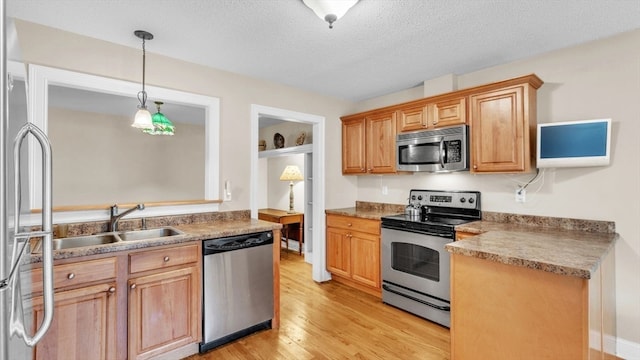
(71, 276)
(133, 286)
(349, 224)
(112, 290)
(166, 259)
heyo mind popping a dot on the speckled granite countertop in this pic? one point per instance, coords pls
(217, 227)
(562, 246)
(367, 210)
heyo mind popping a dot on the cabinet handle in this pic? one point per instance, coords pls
(112, 290)
(71, 276)
(166, 259)
(133, 286)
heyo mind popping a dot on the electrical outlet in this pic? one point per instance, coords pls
(521, 195)
(385, 190)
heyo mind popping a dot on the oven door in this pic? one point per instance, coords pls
(416, 261)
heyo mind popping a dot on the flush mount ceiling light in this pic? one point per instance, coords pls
(143, 116)
(161, 125)
(330, 10)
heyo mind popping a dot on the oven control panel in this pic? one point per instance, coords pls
(452, 199)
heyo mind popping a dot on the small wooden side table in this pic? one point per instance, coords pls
(285, 218)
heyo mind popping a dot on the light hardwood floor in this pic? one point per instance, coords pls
(332, 321)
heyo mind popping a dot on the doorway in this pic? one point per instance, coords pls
(315, 165)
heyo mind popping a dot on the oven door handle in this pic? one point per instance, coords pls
(448, 235)
(443, 308)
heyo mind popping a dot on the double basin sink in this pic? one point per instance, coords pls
(110, 238)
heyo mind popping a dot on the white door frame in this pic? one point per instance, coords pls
(318, 255)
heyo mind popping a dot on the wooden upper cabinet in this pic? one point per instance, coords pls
(369, 144)
(501, 118)
(503, 128)
(432, 114)
(381, 143)
(449, 112)
(353, 146)
(413, 118)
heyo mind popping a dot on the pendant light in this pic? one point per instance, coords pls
(161, 125)
(330, 10)
(143, 119)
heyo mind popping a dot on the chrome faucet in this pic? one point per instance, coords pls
(115, 217)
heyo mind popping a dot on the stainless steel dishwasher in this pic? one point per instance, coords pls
(237, 287)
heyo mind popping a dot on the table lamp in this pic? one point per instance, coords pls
(291, 173)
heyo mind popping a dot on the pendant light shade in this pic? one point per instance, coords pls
(330, 10)
(161, 125)
(142, 118)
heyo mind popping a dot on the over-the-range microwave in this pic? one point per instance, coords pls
(437, 150)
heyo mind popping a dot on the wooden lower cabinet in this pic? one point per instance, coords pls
(85, 310)
(164, 301)
(84, 325)
(353, 252)
(153, 296)
(501, 311)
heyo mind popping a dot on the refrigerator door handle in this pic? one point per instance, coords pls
(17, 320)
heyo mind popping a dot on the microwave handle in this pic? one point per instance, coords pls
(442, 152)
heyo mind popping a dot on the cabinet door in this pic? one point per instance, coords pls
(413, 118)
(365, 259)
(353, 146)
(84, 325)
(381, 143)
(164, 312)
(450, 112)
(498, 131)
(338, 252)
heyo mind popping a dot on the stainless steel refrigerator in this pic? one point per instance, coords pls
(18, 333)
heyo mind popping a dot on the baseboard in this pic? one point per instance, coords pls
(621, 348)
(628, 350)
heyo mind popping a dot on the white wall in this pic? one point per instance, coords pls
(596, 80)
(150, 168)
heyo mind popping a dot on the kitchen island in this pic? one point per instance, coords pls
(532, 287)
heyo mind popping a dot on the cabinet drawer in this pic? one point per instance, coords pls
(71, 274)
(354, 223)
(162, 258)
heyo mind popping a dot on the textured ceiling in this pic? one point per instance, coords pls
(379, 47)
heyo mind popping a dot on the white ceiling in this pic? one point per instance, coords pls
(378, 47)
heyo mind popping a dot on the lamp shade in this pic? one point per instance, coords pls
(291, 173)
(161, 125)
(142, 119)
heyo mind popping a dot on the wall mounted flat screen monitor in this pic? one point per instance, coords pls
(574, 143)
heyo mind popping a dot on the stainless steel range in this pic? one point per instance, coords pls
(415, 264)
